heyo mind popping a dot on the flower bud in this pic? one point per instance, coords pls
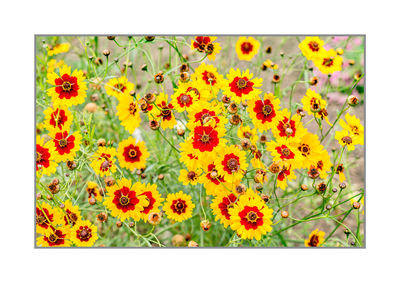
(235, 119)
(101, 142)
(154, 125)
(102, 217)
(92, 201)
(109, 181)
(233, 108)
(119, 224)
(342, 185)
(313, 81)
(160, 177)
(240, 189)
(154, 218)
(159, 78)
(178, 240)
(110, 37)
(193, 244)
(265, 198)
(276, 79)
(356, 205)
(205, 225)
(352, 100)
(285, 214)
(313, 173)
(149, 38)
(184, 77)
(321, 187)
(304, 187)
(143, 68)
(106, 52)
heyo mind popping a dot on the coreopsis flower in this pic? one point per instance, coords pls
(289, 127)
(186, 96)
(328, 62)
(310, 147)
(178, 206)
(250, 216)
(209, 78)
(189, 177)
(47, 217)
(282, 150)
(128, 112)
(268, 64)
(340, 172)
(220, 207)
(93, 191)
(346, 139)
(248, 133)
(323, 164)
(206, 44)
(353, 125)
(103, 161)
(247, 48)
(119, 86)
(312, 47)
(164, 111)
(285, 174)
(84, 234)
(315, 239)
(154, 201)
(315, 105)
(71, 214)
(54, 64)
(256, 161)
(132, 154)
(57, 119)
(66, 145)
(206, 114)
(45, 157)
(264, 113)
(214, 182)
(231, 163)
(69, 89)
(188, 158)
(58, 48)
(126, 201)
(58, 237)
(240, 86)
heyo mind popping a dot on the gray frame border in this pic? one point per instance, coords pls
(221, 35)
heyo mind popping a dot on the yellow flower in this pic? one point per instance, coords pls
(206, 113)
(289, 127)
(285, 174)
(164, 111)
(186, 177)
(248, 133)
(84, 234)
(119, 86)
(220, 207)
(58, 48)
(154, 200)
(54, 64)
(71, 214)
(207, 45)
(93, 191)
(128, 112)
(346, 139)
(208, 77)
(132, 154)
(323, 164)
(103, 161)
(45, 157)
(57, 119)
(315, 105)
(328, 62)
(250, 216)
(312, 47)
(315, 239)
(126, 201)
(59, 237)
(69, 89)
(340, 172)
(264, 113)
(310, 147)
(240, 86)
(187, 95)
(282, 150)
(47, 217)
(178, 206)
(231, 163)
(354, 126)
(270, 65)
(247, 48)
(256, 161)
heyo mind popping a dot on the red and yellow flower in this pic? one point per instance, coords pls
(315, 105)
(205, 113)
(186, 96)
(346, 139)
(328, 62)
(240, 86)
(103, 161)
(231, 163)
(282, 150)
(58, 237)
(250, 216)
(71, 214)
(93, 191)
(315, 239)
(45, 157)
(206, 44)
(189, 177)
(126, 201)
(353, 125)
(66, 145)
(47, 217)
(69, 89)
(214, 182)
(84, 234)
(264, 112)
(132, 154)
(163, 111)
(248, 133)
(154, 200)
(289, 127)
(247, 48)
(220, 207)
(312, 47)
(209, 78)
(58, 48)
(178, 206)
(57, 119)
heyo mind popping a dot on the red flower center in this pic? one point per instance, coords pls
(84, 233)
(251, 217)
(246, 47)
(328, 62)
(132, 108)
(314, 46)
(285, 152)
(314, 241)
(284, 125)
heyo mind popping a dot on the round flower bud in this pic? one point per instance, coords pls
(276, 79)
(101, 142)
(92, 201)
(110, 37)
(119, 224)
(313, 81)
(352, 100)
(106, 52)
(143, 68)
(285, 214)
(91, 107)
(102, 217)
(342, 185)
(154, 218)
(304, 187)
(193, 244)
(205, 225)
(160, 177)
(356, 205)
(154, 125)
(178, 240)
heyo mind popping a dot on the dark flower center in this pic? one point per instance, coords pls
(63, 142)
(53, 238)
(205, 138)
(66, 86)
(241, 83)
(252, 216)
(286, 152)
(132, 109)
(124, 200)
(267, 109)
(132, 153)
(347, 140)
(185, 98)
(165, 112)
(232, 164)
